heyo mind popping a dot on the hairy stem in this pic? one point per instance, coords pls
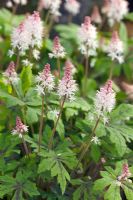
(86, 66)
(111, 72)
(17, 61)
(85, 149)
(25, 146)
(41, 125)
(56, 123)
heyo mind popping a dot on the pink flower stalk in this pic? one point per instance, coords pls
(70, 64)
(105, 99)
(67, 86)
(96, 17)
(72, 6)
(28, 34)
(20, 38)
(115, 10)
(125, 173)
(20, 128)
(116, 48)
(45, 4)
(34, 24)
(45, 80)
(106, 7)
(11, 74)
(88, 37)
(58, 50)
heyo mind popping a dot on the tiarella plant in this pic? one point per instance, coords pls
(66, 126)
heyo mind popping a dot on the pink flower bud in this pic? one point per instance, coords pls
(96, 17)
(20, 128)
(58, 50)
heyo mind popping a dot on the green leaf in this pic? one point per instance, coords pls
(11, 101)
(60, 129)
(30, 189)
(80, 103)
(70, 112)
(124, 35)
(62, 175)
(95, 152)
(32, 115)
(67, 32)
(128, 192)
(102, 183)
(118, 140)
(122, 112)
(113, 192)
(56, 162)
(26, 78)
(129, 16)
(77, 194)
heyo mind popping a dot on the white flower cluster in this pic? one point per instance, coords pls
(9, 4)
(115, 10)
(67, 86)
(45, 81)
(88, 37)
(72, 6)
(116, 48)
(10, 74)
(58, 50)
(96, 140)
(53, 6)
(105, 99)
(28, 35)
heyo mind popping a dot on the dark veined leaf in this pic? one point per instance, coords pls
(84, 189)
(56, 162)
(19, 184)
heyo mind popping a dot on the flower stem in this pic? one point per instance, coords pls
(47, 17)
(41, 125)
(111, 72)
(86, 66)
(70, 18)
(88, 145)
(58, 65)
(56, 123)
(17, 61)
(25, 146)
